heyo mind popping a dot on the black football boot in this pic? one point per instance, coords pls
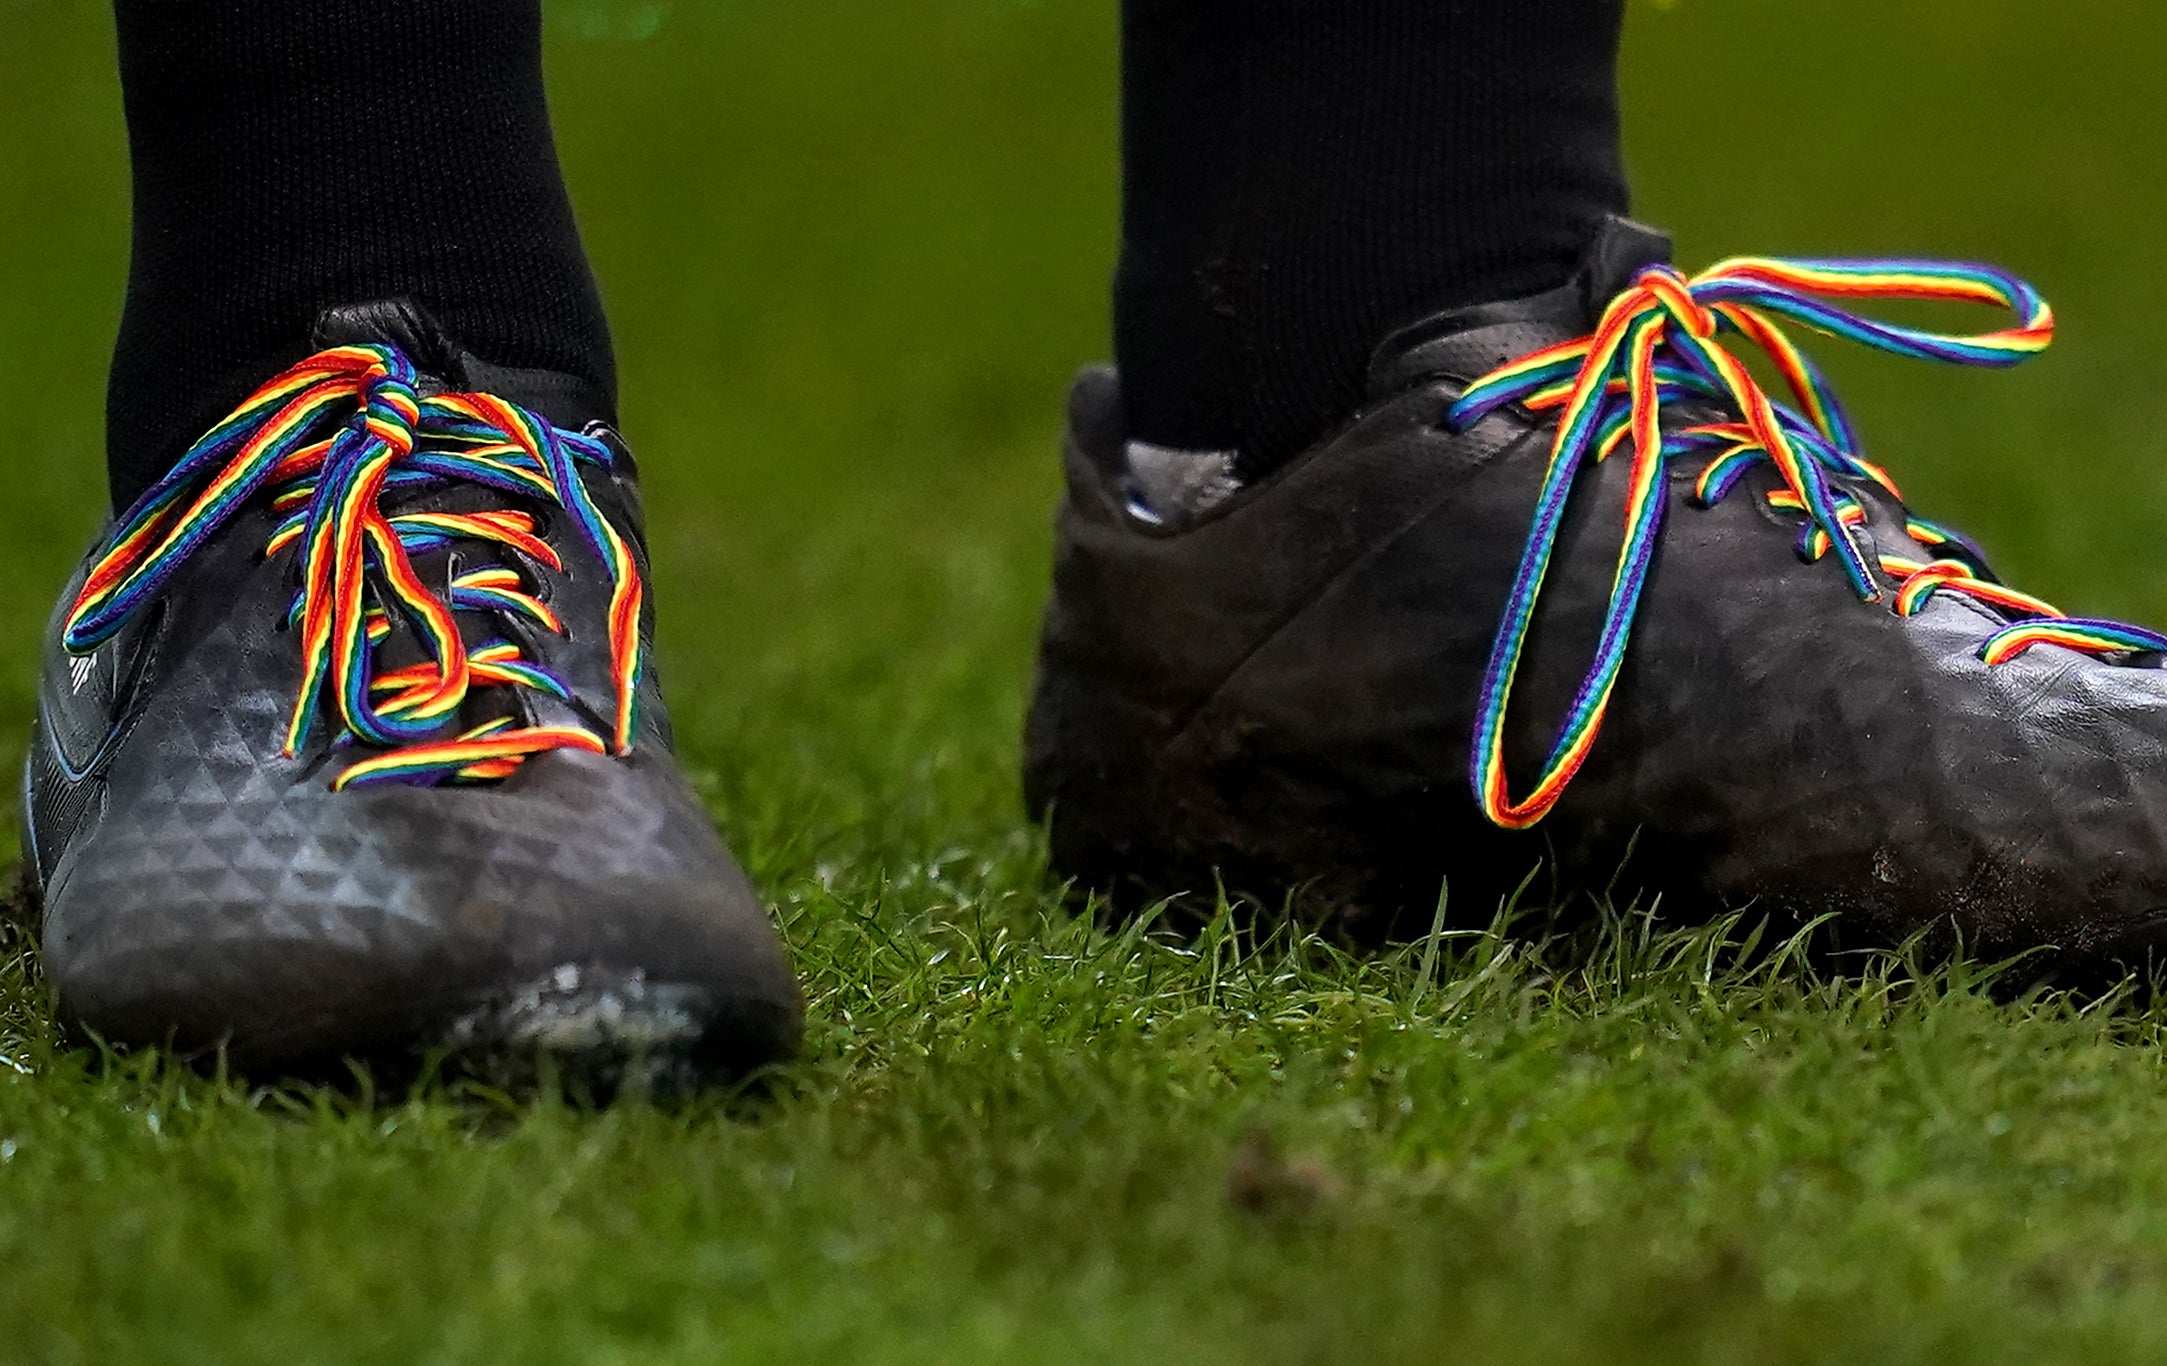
(1278, 686)
(499, 873)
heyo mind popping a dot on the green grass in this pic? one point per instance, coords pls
(853, 250)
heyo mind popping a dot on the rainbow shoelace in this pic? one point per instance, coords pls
(328, 440)
(1659, 343)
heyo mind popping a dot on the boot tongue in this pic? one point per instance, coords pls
(1615, 259)
(1467, 343)
(396, 322)
(448, 367)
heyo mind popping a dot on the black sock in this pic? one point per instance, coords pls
(1299, 178)
(292, 155)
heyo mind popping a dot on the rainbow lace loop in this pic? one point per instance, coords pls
(329, 439)
(1660, 343)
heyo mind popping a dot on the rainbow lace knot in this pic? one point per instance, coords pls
(1659, 344)
(329, 439)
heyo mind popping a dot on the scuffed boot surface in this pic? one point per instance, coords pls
(1280, 687)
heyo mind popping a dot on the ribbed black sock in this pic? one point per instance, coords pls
(1299, 178)
(291, 155)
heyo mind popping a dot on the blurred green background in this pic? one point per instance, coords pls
(853, 250)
